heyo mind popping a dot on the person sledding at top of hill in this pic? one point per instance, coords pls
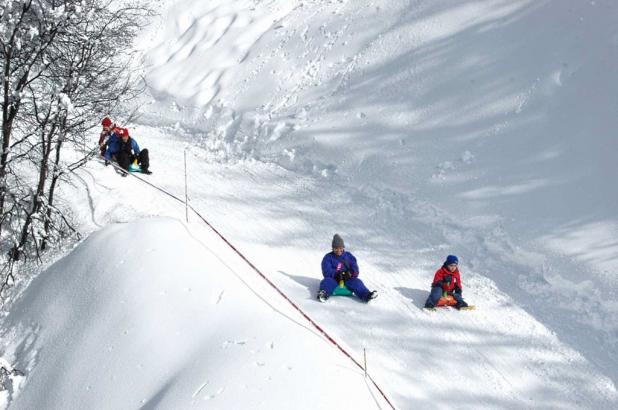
(341, 265)
(108, 129)
(124, 150)
(447, 279)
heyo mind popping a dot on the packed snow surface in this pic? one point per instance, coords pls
(484, 129)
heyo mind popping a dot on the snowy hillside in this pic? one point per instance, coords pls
(166, 325)
(484, 129)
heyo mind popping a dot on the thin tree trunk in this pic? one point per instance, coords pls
(37, 199)
(50, 194)
(6, 136)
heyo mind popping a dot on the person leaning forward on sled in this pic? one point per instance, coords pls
(341, 265)
(125, 150)
(447, 280)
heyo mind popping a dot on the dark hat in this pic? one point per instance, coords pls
(338, 241)
(451, 259)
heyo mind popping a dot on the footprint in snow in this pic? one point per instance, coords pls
(234, 342)
(212, 396)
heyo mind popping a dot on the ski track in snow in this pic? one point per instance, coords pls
(199, 389)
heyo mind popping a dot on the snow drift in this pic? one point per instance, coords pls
(141, 315)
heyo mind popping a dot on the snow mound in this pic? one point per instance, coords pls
(140, 315)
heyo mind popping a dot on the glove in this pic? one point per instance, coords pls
(446, 282)
(338, 276)
(458, 290)
(346, 275)
(106, 162)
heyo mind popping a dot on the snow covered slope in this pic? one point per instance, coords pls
(482, 128)
(415, 130)
(142, 315)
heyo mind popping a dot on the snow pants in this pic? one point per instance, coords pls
(124, 159)
(354, 284)
(436, 294)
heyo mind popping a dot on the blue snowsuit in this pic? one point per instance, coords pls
(332, 265)
(113, 146)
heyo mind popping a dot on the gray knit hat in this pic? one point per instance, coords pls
(338, 241)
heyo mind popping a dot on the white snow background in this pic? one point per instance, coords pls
(415, 129)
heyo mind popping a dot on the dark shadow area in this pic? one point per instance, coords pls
(155, 401)
(312, 284)
(417, 296)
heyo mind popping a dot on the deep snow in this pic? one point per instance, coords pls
(166, 324)
(414, 129)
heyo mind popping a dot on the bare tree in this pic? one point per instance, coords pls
(27, 32)
(82, 66)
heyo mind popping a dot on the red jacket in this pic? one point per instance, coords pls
(438, 279)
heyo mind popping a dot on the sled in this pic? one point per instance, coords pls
(135, 167)
(448, 300)
(342, 290)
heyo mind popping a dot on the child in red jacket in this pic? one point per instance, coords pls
(446, 279)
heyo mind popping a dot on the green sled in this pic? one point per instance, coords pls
(342, 290)
(133, 167)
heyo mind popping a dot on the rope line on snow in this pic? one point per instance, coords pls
(272, 284)
(318, 327)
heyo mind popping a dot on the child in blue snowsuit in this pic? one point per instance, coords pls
(341, 265)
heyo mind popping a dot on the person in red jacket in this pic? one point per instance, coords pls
(446, 279)
(108, 129)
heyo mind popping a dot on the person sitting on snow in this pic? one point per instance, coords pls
(446, 279)
(125, 150)
(108, 129)
(341, 265)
